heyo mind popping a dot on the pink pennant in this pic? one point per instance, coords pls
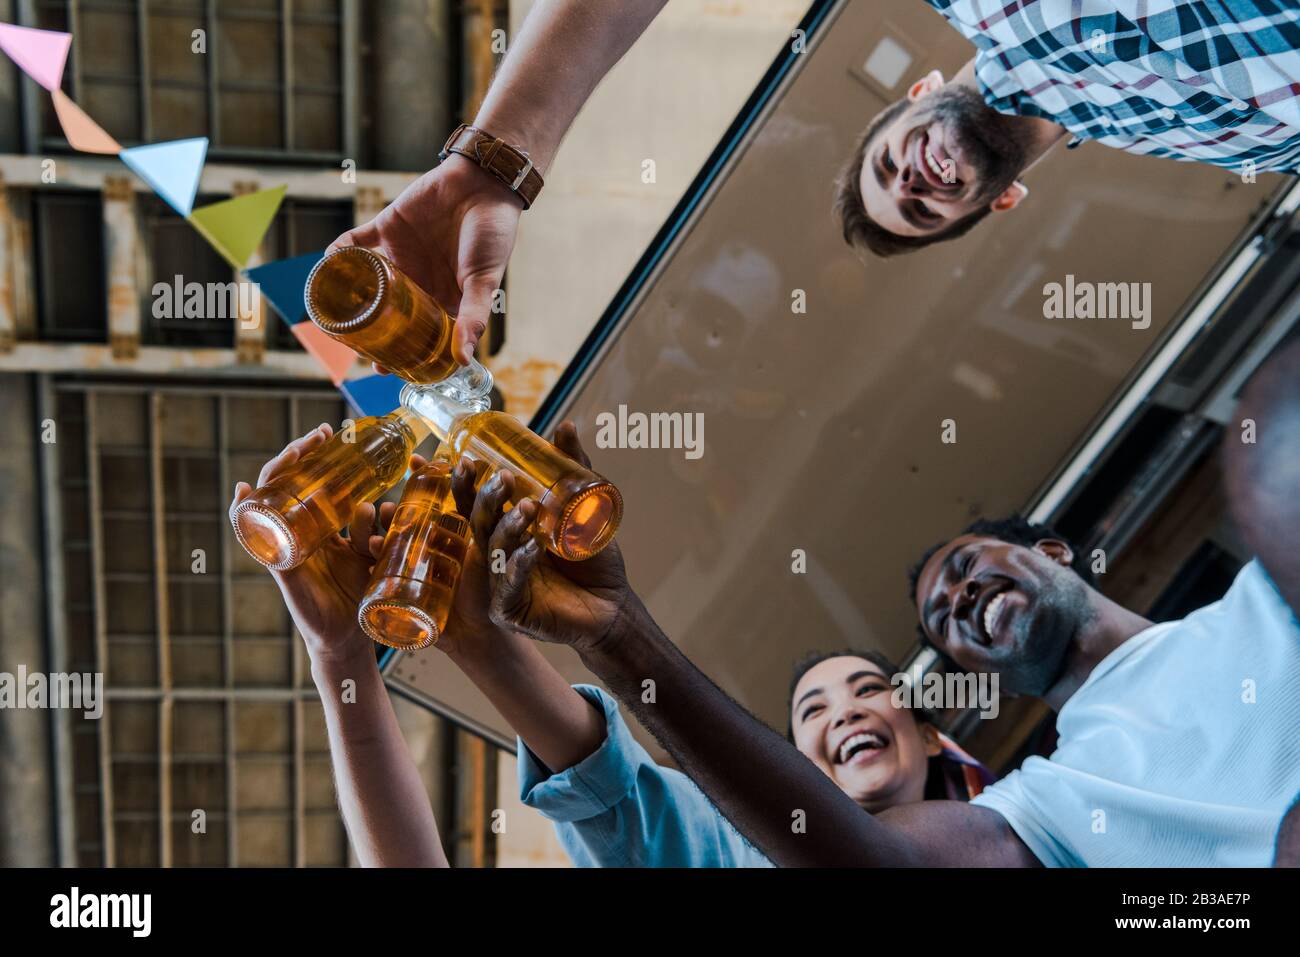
(332, 354)
(83, 133)
(40, 53)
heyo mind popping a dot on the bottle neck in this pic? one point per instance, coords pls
(440, 413)
(412, 423)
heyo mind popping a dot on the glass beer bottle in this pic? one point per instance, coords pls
(360, 298)
(282, 523)
(414, 581)
(578, 511)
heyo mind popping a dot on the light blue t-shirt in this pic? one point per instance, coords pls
(617, 808)
(1181, 749)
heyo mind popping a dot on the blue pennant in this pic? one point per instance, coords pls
(284, 282)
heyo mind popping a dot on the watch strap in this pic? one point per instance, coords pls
(507, 163)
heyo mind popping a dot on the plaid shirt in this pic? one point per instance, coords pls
(1207, 81)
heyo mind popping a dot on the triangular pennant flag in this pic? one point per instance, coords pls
(40, 53)
(171, 169)
(234, 227)
(83, 133)
(337, 358)
(284, 283)
(374, 394)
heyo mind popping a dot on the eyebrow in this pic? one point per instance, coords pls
(950, 566)
(863, 674)
(806, 695)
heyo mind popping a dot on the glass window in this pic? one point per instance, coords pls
(69, 236)
(176, 252)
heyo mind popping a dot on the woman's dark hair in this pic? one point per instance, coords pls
(937, 770)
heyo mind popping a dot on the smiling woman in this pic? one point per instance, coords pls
(846, 719)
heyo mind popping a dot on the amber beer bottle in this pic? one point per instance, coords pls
(414, 581)
(578, 511)
(282, 523)
(358, 297)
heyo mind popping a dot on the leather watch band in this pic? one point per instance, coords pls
(507, 163)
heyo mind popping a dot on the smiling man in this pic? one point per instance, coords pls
(1177, 741)
(1200, 82)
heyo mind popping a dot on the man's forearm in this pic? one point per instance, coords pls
(563, 50)
(558, 724)
(773, 795)
(383, 801)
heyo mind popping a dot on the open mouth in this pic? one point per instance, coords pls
(991, 610)
(936, 166)
(857, 744)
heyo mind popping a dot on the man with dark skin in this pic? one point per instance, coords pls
(1010, 603)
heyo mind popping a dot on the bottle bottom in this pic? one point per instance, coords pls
(397, 624)
(589, 522)
(265, 536)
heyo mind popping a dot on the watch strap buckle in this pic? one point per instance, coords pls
(523, 174)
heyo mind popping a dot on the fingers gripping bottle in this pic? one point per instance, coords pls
(578, 511)
(361, 299)
(282, 523)
(414, 581)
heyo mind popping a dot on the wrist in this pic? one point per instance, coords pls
(349, 658)
(484, 183)
(628, 624)
(520, 133)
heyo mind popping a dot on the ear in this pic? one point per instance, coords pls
(930, 738)
(1010, 197)
(927, 84)
(1056, 550)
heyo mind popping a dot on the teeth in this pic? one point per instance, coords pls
(991, 613)
(932, 162)
(870, 739)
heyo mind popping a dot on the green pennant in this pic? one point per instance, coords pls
(234, 227)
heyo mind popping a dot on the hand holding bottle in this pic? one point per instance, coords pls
(470, 621)
(451, 231)
(536, 592)
(323, 592)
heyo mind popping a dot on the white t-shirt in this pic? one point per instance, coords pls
(1181, 749)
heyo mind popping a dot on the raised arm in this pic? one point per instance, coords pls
(772, 794)
(384, 805)
(562, 52)
(612, 805)
(453, 229)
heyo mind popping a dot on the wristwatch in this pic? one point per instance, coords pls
(509, 164)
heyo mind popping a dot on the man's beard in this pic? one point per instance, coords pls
(992, 144)
(1040, 653)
